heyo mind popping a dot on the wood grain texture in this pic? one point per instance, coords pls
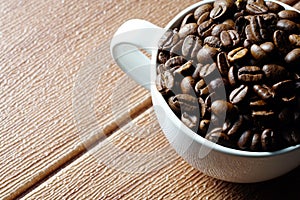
(44, 45)
(137, 162)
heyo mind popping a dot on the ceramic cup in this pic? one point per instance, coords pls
(131, 44)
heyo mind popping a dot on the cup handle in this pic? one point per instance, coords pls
(126, 45)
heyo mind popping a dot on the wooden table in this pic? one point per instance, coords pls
(67, 129)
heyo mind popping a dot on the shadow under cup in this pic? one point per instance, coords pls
(210, 158)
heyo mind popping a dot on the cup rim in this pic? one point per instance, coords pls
(195, 137)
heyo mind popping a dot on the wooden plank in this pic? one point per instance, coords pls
(137, 162)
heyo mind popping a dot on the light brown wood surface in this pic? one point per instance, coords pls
(62, 104)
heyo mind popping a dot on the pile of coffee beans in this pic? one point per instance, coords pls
(231, 72)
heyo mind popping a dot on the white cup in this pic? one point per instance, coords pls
(212, 159)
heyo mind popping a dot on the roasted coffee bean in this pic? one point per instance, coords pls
(216, 136)
(203, 127)
(162, 57)
(175, 61)
(229, 38)
(281, 41)
(205, 28)
(263, 91)
(245, 140)
(201, 10)
(239, 94)
(268, 140)
(294, 40)
(208, 72)
(201, 88)
(223, 64)
(207, 54)
(189, 18)
(184, 70)
(188, 29)
(191, 45)
(250, 74)
(236, 127)
(204, 17)
(190, 121)
(275, 73)
(284, 91)
(258, 105)
(287, 25)
(187, 85)
(169, 39)
(257, 52)
(183, 103)
(289, 14)
(291, 136)
(222, 108)
(166, 80)
(218, 86)
(216, 31)
(221, 9)
(293, 57)
(212, 41)
(237, 54)
(256, 8)
(274, 7)
(232, 78)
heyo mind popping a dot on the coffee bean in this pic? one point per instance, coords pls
(201, 88)
(232, 76)
(245, 140)
(291, 136)
(216, 31)
(250, 74)
(268, 47)
(166, 80)
(187, 85)
(236, 127)
(188, 29)
(256, 142)
(201, 10)
(258, 105)
(293, 57)
(281, 41)
(169, 39)
(191, 121)
(207, 54)
(181, 103)
(239, 94)
(284, 91)
(223, 64)
(221, 8)
(229, 38)
(294, 40)
(263, 91)
(208, 71)
(162, 57)
(275, 73)
(189, 18)
(205, 28)
(256, 8)
(222, 108)
(288, 26)
(175, 61)
(184, 70)
(217, 136)
(237, 54)
(176, 49)
(204, 17)
(191, 46)
(286, 116)
(268, 140)
(203, 127)
(289, 14)
(212, 41)
(257, 52)
(274, 7)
